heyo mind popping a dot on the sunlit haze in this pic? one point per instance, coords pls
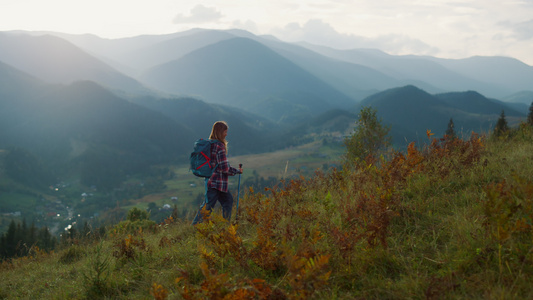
(448, 29)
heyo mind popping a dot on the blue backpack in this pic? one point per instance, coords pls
(200, 158)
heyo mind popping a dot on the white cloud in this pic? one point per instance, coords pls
(445, 28)
(198, 15)
(520, 30)
(320, 33)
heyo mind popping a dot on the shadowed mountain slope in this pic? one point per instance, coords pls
(53, 119)
(83, 128)
(411, 111)
(249, 133)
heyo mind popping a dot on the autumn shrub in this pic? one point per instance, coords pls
(220, 286)
(131, 247)
(137, 220)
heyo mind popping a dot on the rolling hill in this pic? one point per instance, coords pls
(411, 111)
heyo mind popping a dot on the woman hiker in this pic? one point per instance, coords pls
(217, 184)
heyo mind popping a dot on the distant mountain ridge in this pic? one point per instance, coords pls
(243, 73)
(172, 49)
(494, 77)
(509, 73)
(55, 60)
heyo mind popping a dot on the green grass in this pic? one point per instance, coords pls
(429, 225)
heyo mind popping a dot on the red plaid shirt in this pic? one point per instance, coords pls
(219, 179)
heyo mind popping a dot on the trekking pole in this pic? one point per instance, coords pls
(238, 192)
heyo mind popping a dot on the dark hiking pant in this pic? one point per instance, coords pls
(211, 198)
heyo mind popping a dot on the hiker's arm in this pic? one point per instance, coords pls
(223, 164)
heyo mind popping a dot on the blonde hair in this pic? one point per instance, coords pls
(216, 132)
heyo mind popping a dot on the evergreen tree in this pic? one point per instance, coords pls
(450, 132)
(501, 125)
(10, 243)
(32, 235)
(45, 240)
(2, 247)
(530, 115)
(369, 136)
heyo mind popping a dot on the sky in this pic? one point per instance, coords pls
(447, 29)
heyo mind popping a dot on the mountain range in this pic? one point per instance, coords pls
(140, 101)
(356, 72)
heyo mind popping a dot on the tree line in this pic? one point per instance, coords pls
(500, 128)
(19, 239)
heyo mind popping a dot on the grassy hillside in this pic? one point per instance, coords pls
(452, 220)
